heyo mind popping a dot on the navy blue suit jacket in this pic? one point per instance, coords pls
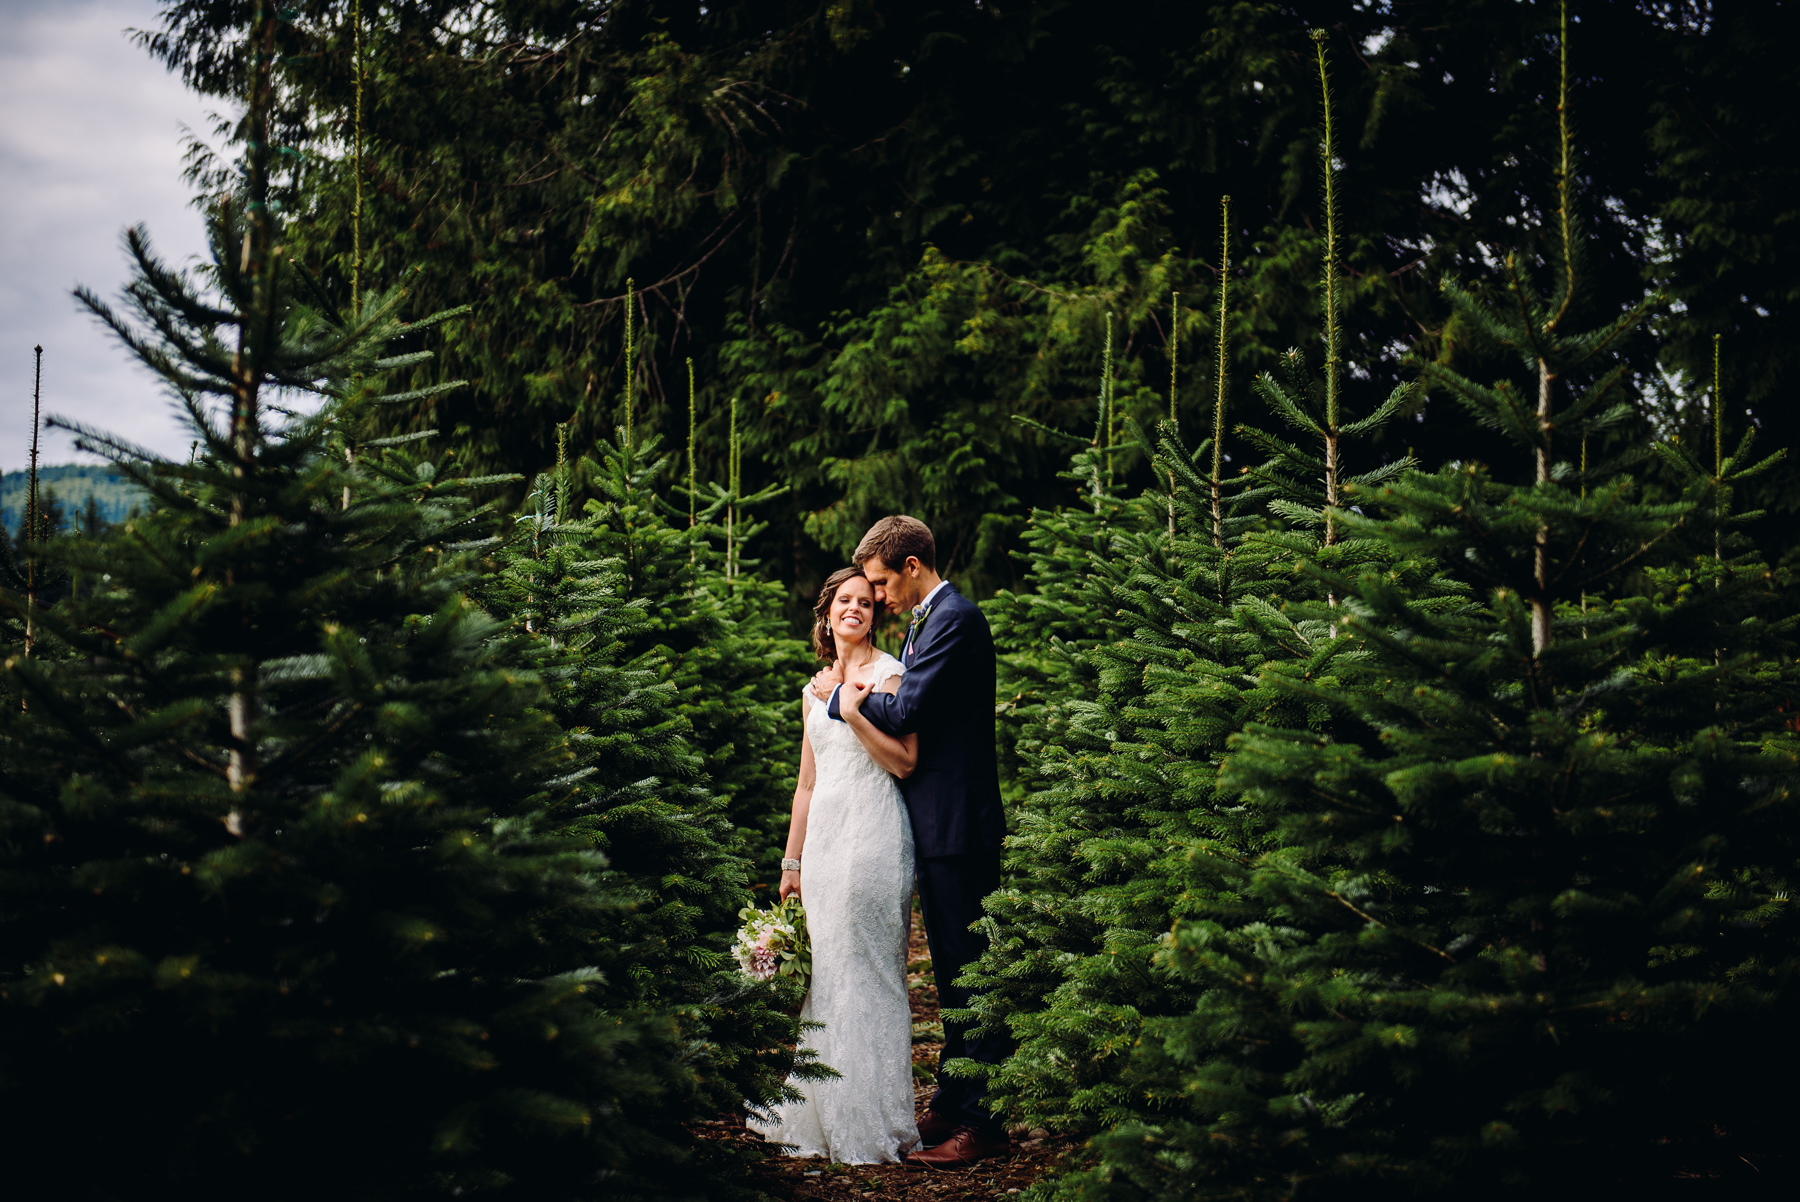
(947, 696)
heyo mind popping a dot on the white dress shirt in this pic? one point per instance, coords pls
(932, 595)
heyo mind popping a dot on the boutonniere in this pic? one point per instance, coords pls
(917, 623)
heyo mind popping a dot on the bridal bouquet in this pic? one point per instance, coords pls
(773, 942)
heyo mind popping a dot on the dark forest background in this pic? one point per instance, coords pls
(887, 229)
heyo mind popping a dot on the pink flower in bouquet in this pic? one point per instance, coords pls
(772, 943)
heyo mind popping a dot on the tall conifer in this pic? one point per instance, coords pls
(712, 632)
(286, 911)
(674, 685)
(1516, 926)
(1188, 612)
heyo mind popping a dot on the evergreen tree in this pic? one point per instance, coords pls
(716, 631)
(1122, 748)
(1190, 607)
(1512, 933)
(286, 915)
(1121, 721)
(599, 595)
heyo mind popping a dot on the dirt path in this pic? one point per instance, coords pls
(793, 1180)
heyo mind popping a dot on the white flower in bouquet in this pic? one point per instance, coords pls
(773, 942)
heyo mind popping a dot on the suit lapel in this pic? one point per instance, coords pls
(917, 636)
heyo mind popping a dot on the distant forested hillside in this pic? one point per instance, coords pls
(72, 484)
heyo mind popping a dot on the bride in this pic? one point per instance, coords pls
(851, 822)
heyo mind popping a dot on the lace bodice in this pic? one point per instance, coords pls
(841, 763)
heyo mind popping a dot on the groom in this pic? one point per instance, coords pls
(947, 696)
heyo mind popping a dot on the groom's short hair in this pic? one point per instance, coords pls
(893, 539)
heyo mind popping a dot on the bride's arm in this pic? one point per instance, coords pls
(790, 881)
(899, 754)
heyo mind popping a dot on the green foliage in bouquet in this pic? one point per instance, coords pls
(774, 942)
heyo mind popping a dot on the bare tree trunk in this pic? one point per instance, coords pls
(28, 527)
(1333, 332)
(1540, 603)
(1218, 448)
(1331, 486)
(1174, 378)
(255, 329)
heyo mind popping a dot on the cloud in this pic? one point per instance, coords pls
(91, 144)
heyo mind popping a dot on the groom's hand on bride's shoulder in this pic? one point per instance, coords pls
(829, 677)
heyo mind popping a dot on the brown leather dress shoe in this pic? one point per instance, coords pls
(935, 1128)
(966, 1146)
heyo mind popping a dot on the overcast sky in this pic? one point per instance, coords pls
(91, 135)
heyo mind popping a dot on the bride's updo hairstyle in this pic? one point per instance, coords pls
(824, 642)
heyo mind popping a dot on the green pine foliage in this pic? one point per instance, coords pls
(1518, 928)
(786, 180)
(1186, 599)
(336, 941)
(906, 389)
(713, 633)
(290, 906)
(1121, 735)
(634, 631)
(1308, 486)
(1375, 830)
(1061, 610)
(1121, 718)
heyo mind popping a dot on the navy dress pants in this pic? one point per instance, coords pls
(951, 889)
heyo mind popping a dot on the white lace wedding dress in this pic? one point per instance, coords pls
(857, 888)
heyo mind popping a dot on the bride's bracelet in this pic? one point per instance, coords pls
(790, 864)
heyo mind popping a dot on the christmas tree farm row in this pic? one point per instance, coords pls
(351, 845)
(1424, 833)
